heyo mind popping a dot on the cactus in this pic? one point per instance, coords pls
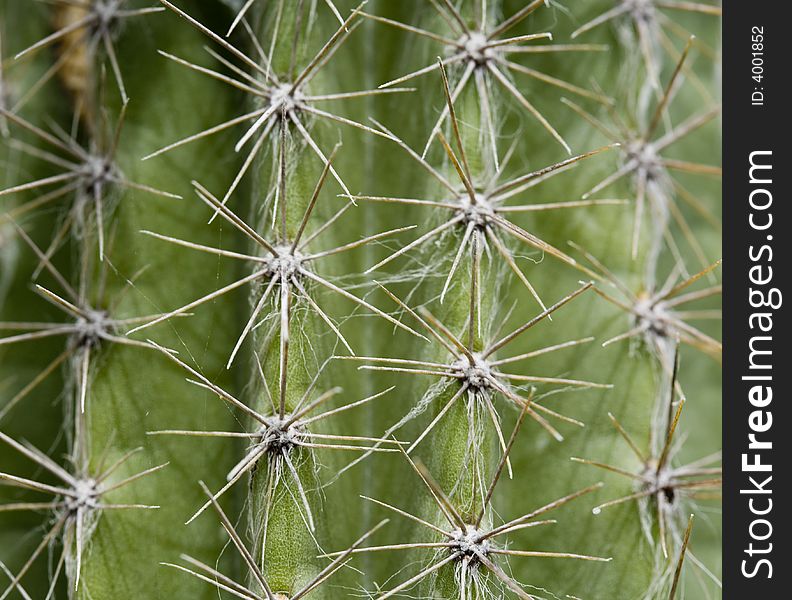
(308, 298)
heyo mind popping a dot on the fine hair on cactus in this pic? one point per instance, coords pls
(337, 299)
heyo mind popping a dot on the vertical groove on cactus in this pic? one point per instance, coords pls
(373, 263)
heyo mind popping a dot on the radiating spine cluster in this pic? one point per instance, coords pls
(275, 65)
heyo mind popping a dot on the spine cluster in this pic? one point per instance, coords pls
(293, 389)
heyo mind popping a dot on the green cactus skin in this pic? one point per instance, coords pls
(134, 391)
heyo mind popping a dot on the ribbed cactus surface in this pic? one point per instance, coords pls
(310, 298)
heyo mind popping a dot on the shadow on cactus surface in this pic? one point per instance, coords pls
(312, 298)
